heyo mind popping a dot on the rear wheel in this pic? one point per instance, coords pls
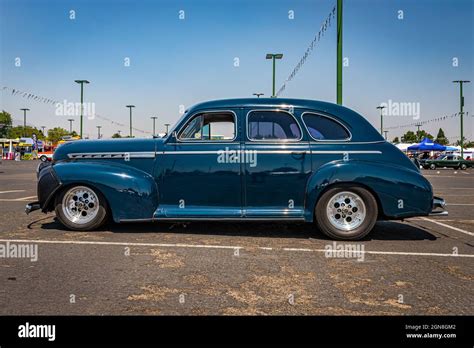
(432, 166)
(81, 208)
(463, 166)
(346, 213)
(43, 158)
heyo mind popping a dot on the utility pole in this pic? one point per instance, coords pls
(418, 125)
(381, 118)
(339, 54)
(43, 127)
(119, 133)
(461, 112)
(154, 120)
(98, 131)
(273, 57)
(167, 125)
(81, 82)
(71, 120)
(24, 120)
(130, 107)
(385, 132)
(258, 94)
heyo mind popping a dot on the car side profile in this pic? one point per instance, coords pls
(447, 161)
(241, 160)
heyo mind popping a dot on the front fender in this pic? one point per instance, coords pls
(131, 193)
(401, 192)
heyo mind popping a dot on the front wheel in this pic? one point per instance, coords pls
(463, 166)
(346, 213)
(81, 208)
(432, 166)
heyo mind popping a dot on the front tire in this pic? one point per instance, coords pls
(346, 213)
(463, 166)
(43, 158)
(81, 208)
(432, 166)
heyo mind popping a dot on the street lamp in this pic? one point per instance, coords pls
(81, 82)
(385, 132)
(461, 113)
(130, 107)
(43, 127)
(273, 57)
(154, 120)
(167, 125)
(119, 133)
(381, 118)
(71, 120)
(98, 131)
(24, 120)
(258, 94)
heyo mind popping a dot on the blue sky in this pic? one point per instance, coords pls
(181, 62)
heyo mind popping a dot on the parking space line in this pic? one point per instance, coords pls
(16, 199)
(458, 204)
(447, 226)
(228, 247)
(12, 191)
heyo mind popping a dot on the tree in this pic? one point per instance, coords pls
(116, 135)
(395, 140)
(20, 132)
(5, 123)
(423, 134)
(409, 137)
(441, 138)
(55, 134)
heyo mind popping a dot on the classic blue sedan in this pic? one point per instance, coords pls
(241, 159)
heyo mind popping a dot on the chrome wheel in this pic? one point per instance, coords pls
(346, 211)
(80, 205)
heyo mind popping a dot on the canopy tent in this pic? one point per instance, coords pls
(427, 145)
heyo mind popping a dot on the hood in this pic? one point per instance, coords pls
(104, 146)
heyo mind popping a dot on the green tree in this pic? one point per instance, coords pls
(5, 123)
(55, 134)
(409, 137)
(20, 132)
(469, 144)
(395, 140)
(116, 135)
(441, 138)
(423, 134)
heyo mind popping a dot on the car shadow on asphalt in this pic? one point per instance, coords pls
(383, 230)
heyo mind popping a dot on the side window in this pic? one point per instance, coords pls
(209, 126)
(272, 125)
(324, 128)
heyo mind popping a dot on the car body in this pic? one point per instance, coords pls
(241, 160)
(45, 156)
(447, 161)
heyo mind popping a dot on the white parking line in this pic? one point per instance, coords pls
(447, 226)
(11, 191)
(16, 199)
(229, 247)
(458, 204)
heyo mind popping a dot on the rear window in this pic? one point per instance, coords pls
(272, 125)
(324, 128)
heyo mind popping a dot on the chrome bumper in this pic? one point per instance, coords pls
(32, 207)
(439, 207)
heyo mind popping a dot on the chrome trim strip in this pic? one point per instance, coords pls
(283, 141)
(111, 155)
(268, 152)
(269, 218)
(329, 117)
(189, 118)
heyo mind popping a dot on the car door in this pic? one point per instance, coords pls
(277, 165)
(200, 176)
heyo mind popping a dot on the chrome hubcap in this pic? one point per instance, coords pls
(346, 211)
(80, 205)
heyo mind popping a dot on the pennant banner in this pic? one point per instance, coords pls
(430, 121)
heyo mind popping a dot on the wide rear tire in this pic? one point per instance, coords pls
(346, 212)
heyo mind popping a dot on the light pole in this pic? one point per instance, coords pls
(381, 118)
(119, 133)
(167, 125)
(461, 113)
(154, 120)
(273, 57)
(98, 131)
(24, 120)
(418, 125)
(43, 127)
(339, 54)
(71, 120)
(385, 132)
(130, 107)
(81, 82)
(258, 94)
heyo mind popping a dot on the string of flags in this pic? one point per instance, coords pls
(28, 95)
(324, 27)
(31, 96)
(422, 123)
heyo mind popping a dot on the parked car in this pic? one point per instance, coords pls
(447, 161)
(45, 156)
(245, 160)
